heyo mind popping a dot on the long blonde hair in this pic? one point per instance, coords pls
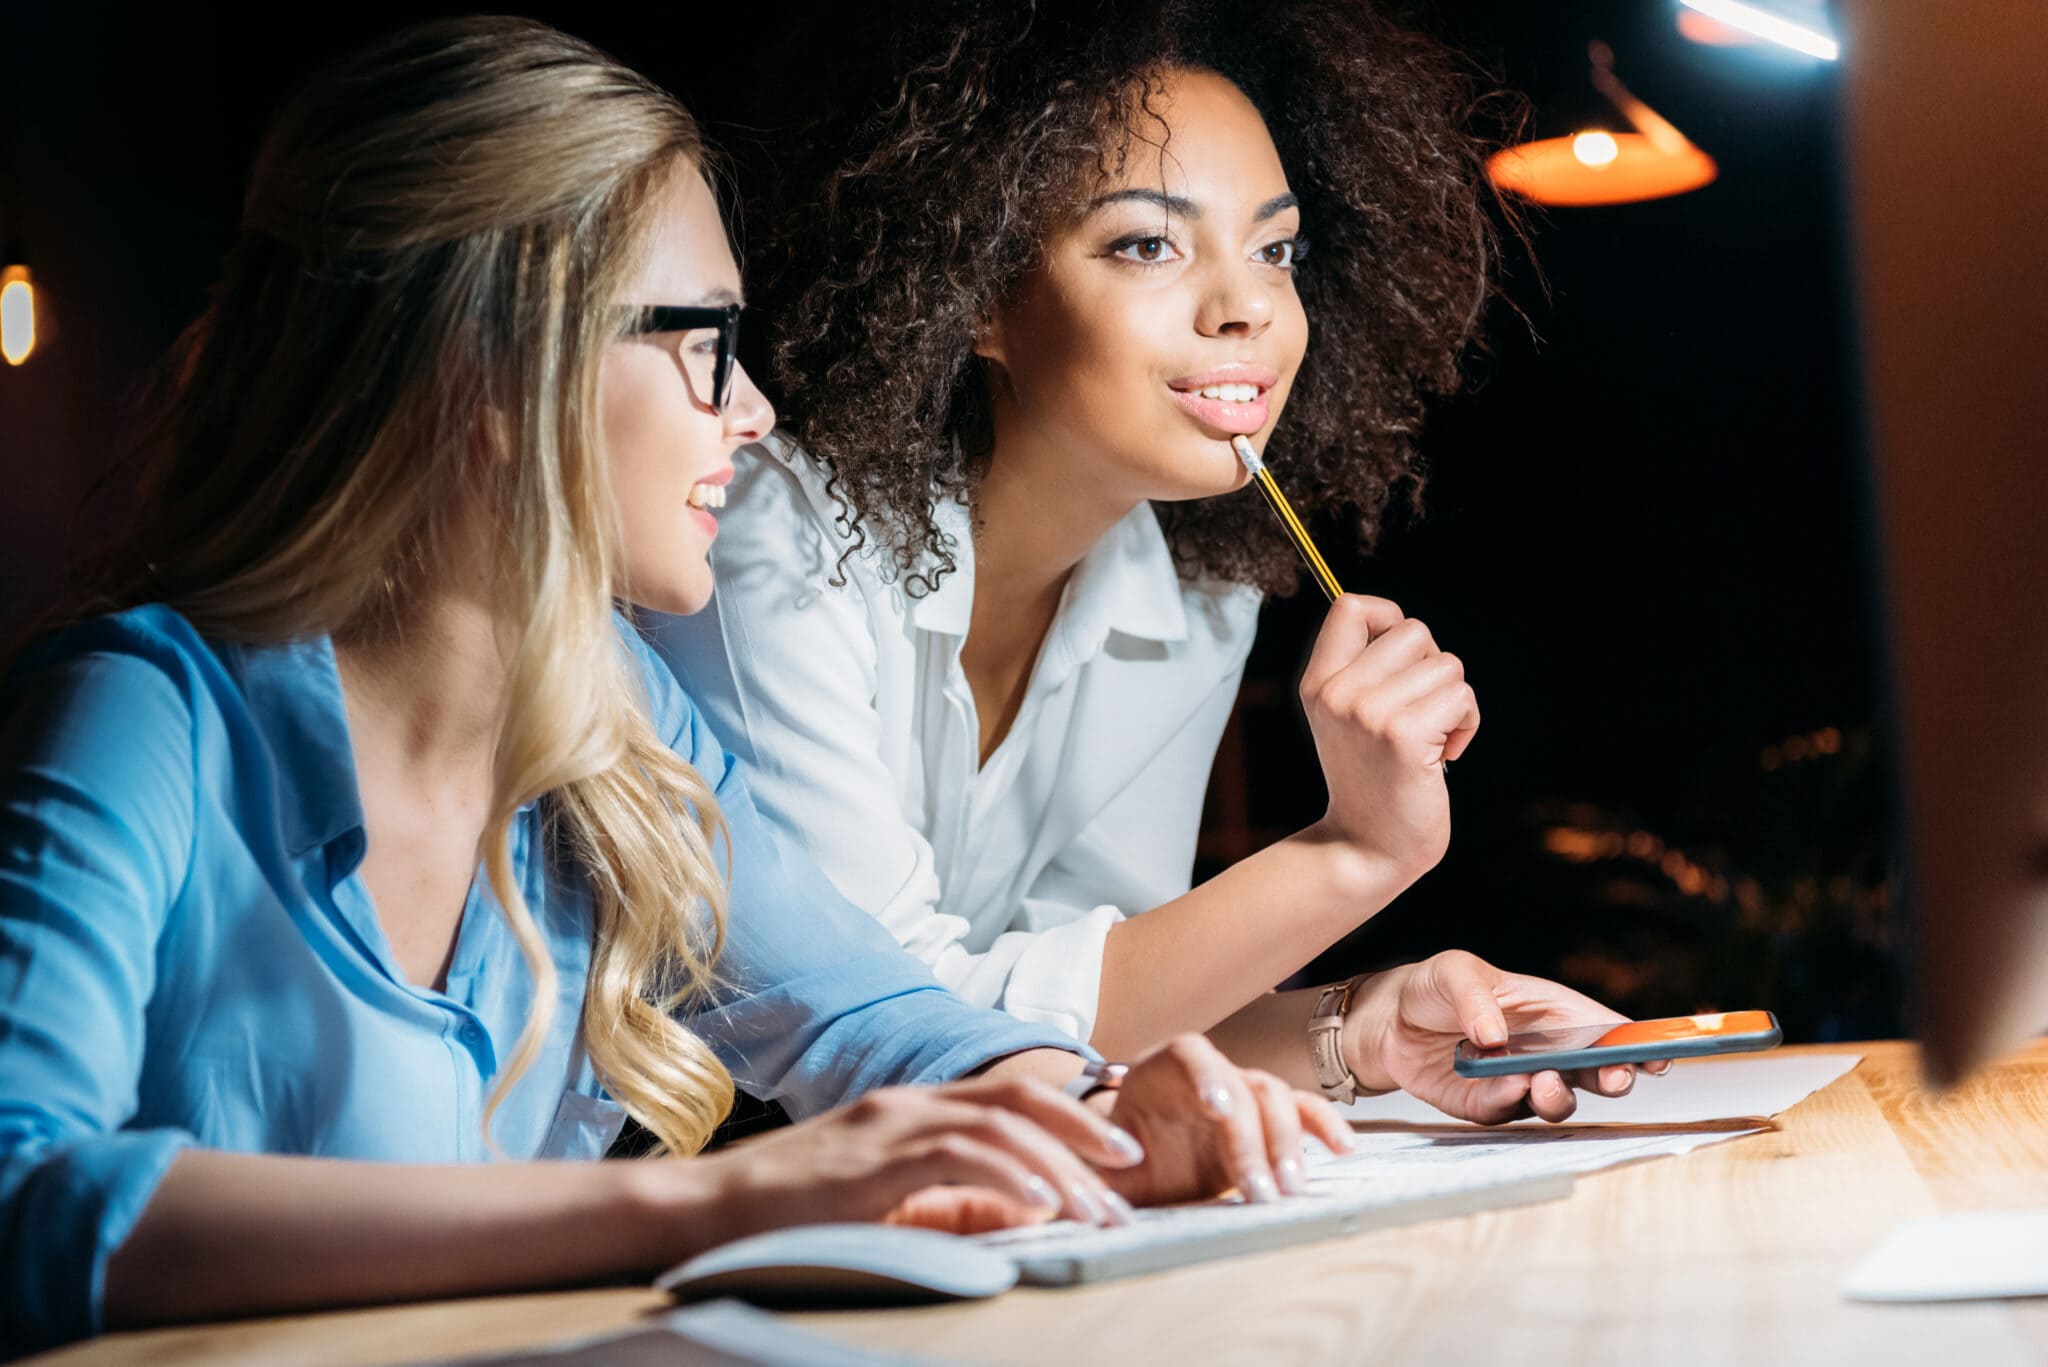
(439, 228)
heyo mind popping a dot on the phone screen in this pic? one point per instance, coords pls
(1664, 1031)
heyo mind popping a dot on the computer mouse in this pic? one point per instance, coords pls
(843, 1264)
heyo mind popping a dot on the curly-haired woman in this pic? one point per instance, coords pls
(981, 623)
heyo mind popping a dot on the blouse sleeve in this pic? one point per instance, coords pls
(96, 822)
(817, 1004)
(786, 666)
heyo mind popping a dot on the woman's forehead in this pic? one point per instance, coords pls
(1196, 138)
(688, 257)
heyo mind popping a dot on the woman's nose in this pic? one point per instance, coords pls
(1234, 305)
(748, 414)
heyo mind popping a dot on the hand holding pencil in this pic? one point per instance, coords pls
(1389, 710)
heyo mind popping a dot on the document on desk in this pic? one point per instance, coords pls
(1698, 1103)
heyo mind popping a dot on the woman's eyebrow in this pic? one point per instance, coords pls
(1173, 204)
(1277, 204)
(719, 298)
(1187, 208)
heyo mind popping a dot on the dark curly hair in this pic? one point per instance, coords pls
(949, 191)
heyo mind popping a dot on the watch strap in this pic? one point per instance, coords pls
(1326, 1043)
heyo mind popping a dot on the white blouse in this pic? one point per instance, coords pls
(852, 709)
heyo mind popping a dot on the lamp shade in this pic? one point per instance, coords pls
(1599, 168)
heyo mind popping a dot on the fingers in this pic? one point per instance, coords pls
(1324, 1121)
(1467, 983)
(1238, 1126)
(1280, 1115)
(1354, 621)
(1080, 1189)
(1551, 1098)
(1059, 1115)
(963, 1210)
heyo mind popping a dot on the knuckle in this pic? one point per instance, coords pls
(1455, 665)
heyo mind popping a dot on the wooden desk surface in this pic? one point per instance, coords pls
(1730, 1255)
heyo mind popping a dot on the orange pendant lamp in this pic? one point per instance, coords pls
(1599, 167)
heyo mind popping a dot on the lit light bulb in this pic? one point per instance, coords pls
(1595, 148)
(17, 315)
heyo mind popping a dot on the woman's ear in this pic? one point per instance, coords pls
(989, 340)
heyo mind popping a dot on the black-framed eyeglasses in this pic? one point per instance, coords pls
(710, 362)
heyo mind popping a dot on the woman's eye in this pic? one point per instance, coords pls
(1283, 253)
(704, 346)
(1149, 251)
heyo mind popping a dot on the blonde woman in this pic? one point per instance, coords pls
(467, 379)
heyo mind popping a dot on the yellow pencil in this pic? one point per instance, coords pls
(1263, 477)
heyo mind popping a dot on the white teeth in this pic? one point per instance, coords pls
(707, 495)
(1230, 393)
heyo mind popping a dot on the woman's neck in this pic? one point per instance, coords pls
(426, 692)
(432, 686)
(1037, 516)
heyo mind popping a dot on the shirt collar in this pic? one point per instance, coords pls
(293, 692)
(1127, 583)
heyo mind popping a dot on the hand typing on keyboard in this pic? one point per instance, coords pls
(1209, 1126)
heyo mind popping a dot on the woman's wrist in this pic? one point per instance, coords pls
(1355, 878)
(669, 1209)
(1374, 1004)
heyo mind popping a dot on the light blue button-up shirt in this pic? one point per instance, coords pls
(188, 957)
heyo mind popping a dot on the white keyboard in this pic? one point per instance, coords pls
(1065, 1252)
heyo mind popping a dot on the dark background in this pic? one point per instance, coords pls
(1643, 527)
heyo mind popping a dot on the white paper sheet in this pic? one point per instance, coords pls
(1695, 1091)
(1977, 1255)
(1400, 1131)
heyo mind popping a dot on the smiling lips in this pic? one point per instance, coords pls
(705, 494)
(1231, 400)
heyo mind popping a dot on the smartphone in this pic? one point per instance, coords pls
(1595, 1046)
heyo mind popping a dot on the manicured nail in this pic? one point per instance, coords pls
(1119, 1209)
(1092, 1210)
(1258, 1189)
(1289, 1172)
(1046, 1194)
(1492, 1033)
(1124, 1142)
(1218, 1099)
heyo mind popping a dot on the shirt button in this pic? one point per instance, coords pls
(472, 1033)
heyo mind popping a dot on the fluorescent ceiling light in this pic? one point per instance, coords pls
(1766, 19)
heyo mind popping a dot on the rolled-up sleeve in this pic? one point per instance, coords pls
(96, 810)
(819, 1004)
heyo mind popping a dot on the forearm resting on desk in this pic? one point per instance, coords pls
(240, 1234)
(1194, 962)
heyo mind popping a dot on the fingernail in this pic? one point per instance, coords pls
(1124, 1142)
(1092, 1210)
(1258, 1189)
(1492, 1033)
(1347, 1142)
(1289, 1172)
(1119, 1209)
(1048, 1195)
(1218, 1099)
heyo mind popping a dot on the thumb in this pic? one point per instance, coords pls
(1467, 983)
(963, 1210)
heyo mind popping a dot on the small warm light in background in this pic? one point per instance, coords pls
(1801, 25)
(1596, 167)
(17, 315)
(1595, 148)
